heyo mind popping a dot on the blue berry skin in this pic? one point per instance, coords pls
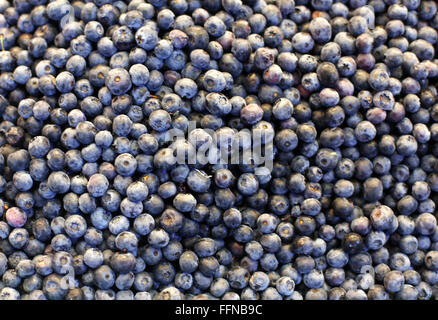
(139, 74)
(186, 88)
(111, 115)
(118, 81)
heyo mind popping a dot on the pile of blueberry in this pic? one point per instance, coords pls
(95, 205)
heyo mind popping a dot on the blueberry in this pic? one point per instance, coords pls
(186, 88)
(118, 81)
(214, 81)
(341, 93)
(159, 120)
